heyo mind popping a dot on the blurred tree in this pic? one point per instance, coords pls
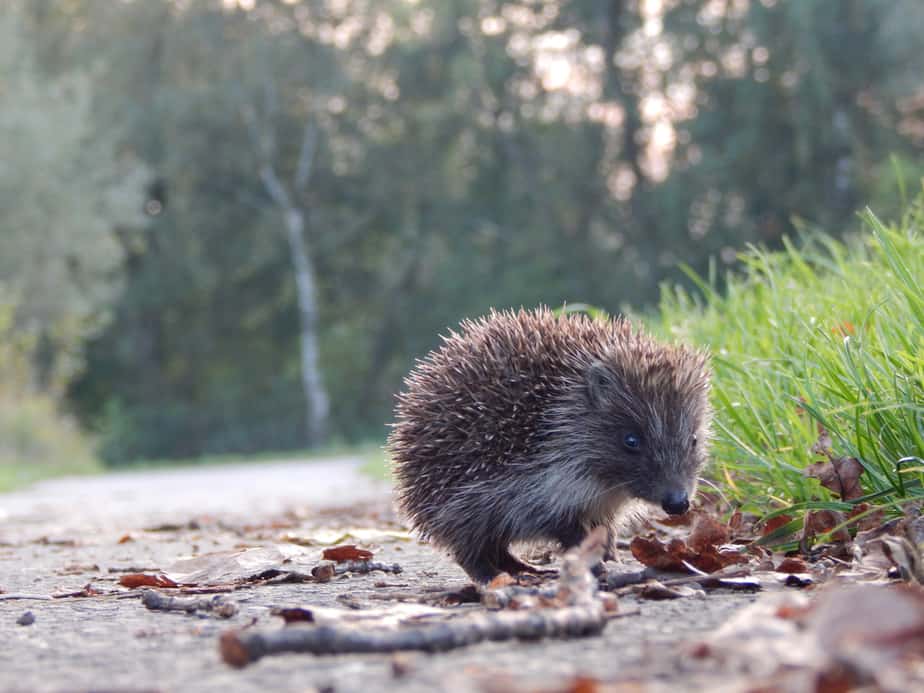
(463, 154)
(792, 107)
(66, 191)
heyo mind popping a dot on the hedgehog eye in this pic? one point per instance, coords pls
(694, 440)
(632, 441)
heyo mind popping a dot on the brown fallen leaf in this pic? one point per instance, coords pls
(824, 445)
(707, 533)
(741, 526)
(676, 556)
(839, 474)
(134, 580)
(347, 552)
(873, 520)
(125, 538)
(792, 565)
(294, 615)
(774, 523)
(823, 521)
(874, 629)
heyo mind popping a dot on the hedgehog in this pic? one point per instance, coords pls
(532, 425)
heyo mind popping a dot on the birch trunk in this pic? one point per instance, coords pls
(316, 399)
(312, 382)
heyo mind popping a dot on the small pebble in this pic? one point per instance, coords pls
(27, 619)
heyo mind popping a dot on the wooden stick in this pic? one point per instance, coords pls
(217, 605)
(577, 612)
(240, 649)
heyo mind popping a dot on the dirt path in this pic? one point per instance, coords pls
(58, 536)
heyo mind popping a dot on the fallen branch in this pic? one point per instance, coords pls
(628, 583)
(576, 611)
(442, 594)
(217, 605)
(367, 567)
(239, 649)
(327, 569)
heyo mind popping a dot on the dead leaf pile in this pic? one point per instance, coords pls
(856, 635)
(706, 550)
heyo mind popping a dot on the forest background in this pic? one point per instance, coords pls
(231, 227)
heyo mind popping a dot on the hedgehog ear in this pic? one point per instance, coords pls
(599, 382)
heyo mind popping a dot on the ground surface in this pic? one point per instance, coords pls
(60, 535)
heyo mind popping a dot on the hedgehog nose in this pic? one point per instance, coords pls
(675, 502)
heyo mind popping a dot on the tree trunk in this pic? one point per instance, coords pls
(312, 382)
(318, 404)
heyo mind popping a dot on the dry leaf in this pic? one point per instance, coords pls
(872, 521)
(347, 552)
(839, 474)
(774, 523)
(823, 521)
(676, 556)
(707, 534)
(823, 446)
(792, 565)
(133, 580)
(294, 615)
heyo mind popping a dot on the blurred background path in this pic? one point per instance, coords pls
(133, 499)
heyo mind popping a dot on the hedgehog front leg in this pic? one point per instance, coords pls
(570, 535)
(573, 535)
(492, 560)
(481, 566)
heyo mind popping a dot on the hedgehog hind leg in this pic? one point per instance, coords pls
(509, 563)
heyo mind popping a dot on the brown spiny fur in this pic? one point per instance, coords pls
(515, 429)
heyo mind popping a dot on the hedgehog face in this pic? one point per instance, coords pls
(649, 426)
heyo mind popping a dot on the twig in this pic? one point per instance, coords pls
(633, 582)
(577, 611)
(466, 594)
(616, 581)
(217, 605)
(367, 567)
(239, 649)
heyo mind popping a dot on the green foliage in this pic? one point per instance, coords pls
(824, 334)
(36, 441)
(454, 172)
(63, 189)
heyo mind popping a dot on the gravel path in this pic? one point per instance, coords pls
(60, 535)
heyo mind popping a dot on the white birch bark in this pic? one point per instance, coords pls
(316, 399)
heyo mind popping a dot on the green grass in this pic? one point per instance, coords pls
(820, 334)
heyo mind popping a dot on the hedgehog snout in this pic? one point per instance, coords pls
(675, 502)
